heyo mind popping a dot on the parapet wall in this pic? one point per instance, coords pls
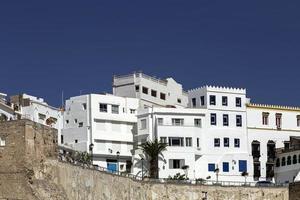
(79, 184)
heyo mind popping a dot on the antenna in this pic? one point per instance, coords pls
(62, 99)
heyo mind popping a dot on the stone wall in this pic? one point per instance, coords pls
(85, 184)
(29, 170)
(27, 146)
(294, 191)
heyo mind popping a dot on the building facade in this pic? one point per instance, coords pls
(37, 110)
(107, 122)
(7, 111)
(236, 136)
(269, 127)
(287, 167)
(150, 91)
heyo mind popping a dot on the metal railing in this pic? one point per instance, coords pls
(169, 181)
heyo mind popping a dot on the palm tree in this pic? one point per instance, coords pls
(153, 149)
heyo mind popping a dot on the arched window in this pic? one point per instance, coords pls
(294, 159)
(278, 162)
(289, 160)
(283, 161)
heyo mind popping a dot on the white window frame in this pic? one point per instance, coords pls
(188, 142)
(177, 121)
(143, 124)
(115, 109)
(198, 122)
(103, 109)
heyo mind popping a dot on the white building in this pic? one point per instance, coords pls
(287, 168)
(106, 121)
(181, 129)
(150, 90)
(235, 136)
(269, 127)
(37, 110)
(6, 109)
(225, 131)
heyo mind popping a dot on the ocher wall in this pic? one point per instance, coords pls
(84, 184)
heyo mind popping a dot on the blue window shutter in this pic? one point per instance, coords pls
(242, 165)
(211, 167)
(225, 167)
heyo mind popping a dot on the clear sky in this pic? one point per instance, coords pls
(69, 45)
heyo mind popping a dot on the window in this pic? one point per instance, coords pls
(84, 106)
(224, 101)
(283, 161)
(211, 167)
(143, 124)
(286, 145)
(194, 101)
(163, 96)
(298, 120)
(115, 109)
(212, 100)
(103, 107)
(197, 122)
(188, 142)
(202, 100)
(236, 142)
(132, 111)
(176, 163)
(160, 121)
(163, 139)
(217, 142)
(177, 122)
(42, 116)
(145, 90)
(61, 139)
(225, 166)
(2, 142)
(176, 141)
(238, 102)
(239, 120)
(278, 120)
(198, 142)
(265, 118)
(80, 124)
(67, 121)
(76, 141)
(226, 142)
(178, 100)
(137, 88)
(294, 159)
(213, 119)
(242, 165)
(75, 121)
(278, 162)
(225, 120)
(289, 160)
(153, 93)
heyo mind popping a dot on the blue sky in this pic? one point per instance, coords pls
(51, 46)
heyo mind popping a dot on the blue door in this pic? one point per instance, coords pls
(242, 165)
(112, 167)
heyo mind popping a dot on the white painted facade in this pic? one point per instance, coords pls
(287, 167)
(261, 123)
(106, 121)
(150, 90)
(37, 110)
(225, 122)
(232, 128)
(6, 109)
